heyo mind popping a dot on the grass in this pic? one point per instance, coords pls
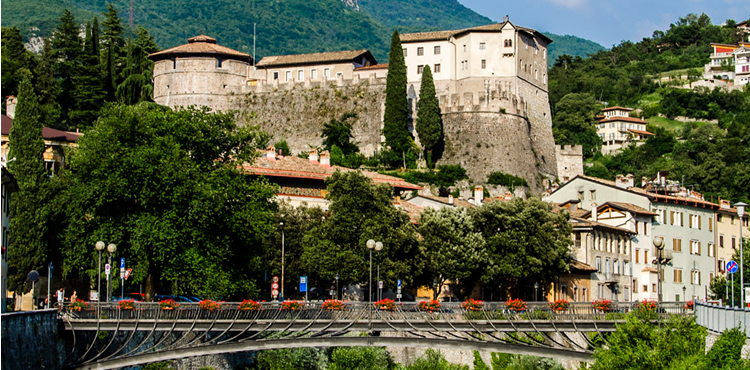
(671, 125)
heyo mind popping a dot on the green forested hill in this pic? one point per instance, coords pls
(282, 27)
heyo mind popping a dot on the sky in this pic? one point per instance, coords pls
(607, 22)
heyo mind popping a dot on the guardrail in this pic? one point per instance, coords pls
(364, 310)
(717, 318)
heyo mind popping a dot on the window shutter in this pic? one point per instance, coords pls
(699, 222)
(682, 218)
(699, 248)
(671, 217)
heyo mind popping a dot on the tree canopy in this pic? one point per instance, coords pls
(166, 188)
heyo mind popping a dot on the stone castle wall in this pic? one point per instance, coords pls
(484, 132)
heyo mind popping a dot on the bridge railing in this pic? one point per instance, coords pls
(717, 318)
(365, 311)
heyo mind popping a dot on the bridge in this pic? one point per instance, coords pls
(107, 337)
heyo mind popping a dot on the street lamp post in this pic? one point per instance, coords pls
(282, 260)
(99, 246)
(378, 248)
(659, 244)
(111, 248)
(337, 285)
(371, 244)
(684, 289)
(741, 212)
(536, 291)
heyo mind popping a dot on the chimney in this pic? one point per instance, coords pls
(621, 182)
(478, 194)
(594, 213)
(726, 204)
(631, 180)
(450, 199)
(313, 157)
(10, 106)
(271, 153)
(325, 159)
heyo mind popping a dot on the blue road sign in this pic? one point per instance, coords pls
(398, 283)
(303, 283)
(122, 263)
(732, 267)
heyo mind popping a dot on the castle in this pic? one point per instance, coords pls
(491, 83)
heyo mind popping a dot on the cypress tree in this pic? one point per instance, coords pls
(396, 105)
(27, 222)
(68, 48)
(111, 37)
(46, 87)
(88, 91)
(429, 126)
(15, 58)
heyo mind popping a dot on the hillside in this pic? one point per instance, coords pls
(282, 27)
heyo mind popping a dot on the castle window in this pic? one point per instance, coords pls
(482, 45)
(314, 74)
(464, 48)
(327, 73)
(484, 63)
(219, 62)
(437, 68)
(437, 50)
(420, 51)
(174, 63)
(300, 75)
(404, 52)
(288, 75)
(420, 68)
(545, 53)
(508, 43)
(276, 75)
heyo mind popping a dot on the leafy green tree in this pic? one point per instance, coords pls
(338, 132)
(526, 243)
(360, 210)
(138, 84)
(574, 124)
(429, 124)
(15, 57)
(292, 359)
(452, 247)
(46, 87)
(396, 105)
(27, 220)
(144, 180)
(68, 47)
(359, 358)
(434, 360)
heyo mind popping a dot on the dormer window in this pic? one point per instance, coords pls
(508, 43)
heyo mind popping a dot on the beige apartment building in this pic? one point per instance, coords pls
(617, 129)
(301, 68)
(728, 234)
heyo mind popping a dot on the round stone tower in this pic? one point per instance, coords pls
(199, 73)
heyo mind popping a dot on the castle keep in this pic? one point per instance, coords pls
(491, 83)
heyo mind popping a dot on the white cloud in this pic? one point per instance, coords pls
(569, 3)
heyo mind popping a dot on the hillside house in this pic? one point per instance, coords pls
(617, 129)
(55, 144)
(729, 62)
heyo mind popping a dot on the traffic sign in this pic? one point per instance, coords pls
(732, 267)
(106, 268)
(398, 296)
(274, 292)
(398, 283)
(380, 284)
(122, 273)
(398, 290)
(127, 273)
(274, 286)
(275, 279)
(303, 283)
(122, 263)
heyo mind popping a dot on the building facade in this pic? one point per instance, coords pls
(301, 68)
(617, 129)
(727, 242)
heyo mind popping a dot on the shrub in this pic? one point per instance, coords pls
(125, 305)
(249, 305)
(516, 305)
(504, 179)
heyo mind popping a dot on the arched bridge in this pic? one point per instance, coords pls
(108, 336)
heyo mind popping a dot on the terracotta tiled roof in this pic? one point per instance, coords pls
(315, 58)
(456, 201)
(580, 222)
(631, 208)
(640, 132)
(427, 36)
(411, 209)
(376, 66)
(576, 265)
(47, 133)
(201, 44)
(294, 167)
(617, 108)
(624, 119)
